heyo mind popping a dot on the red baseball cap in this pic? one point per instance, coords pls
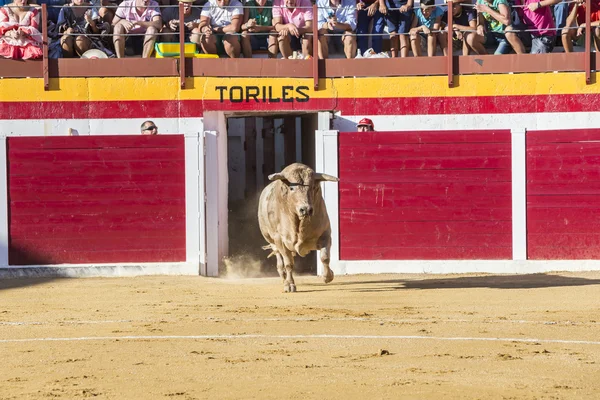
(365, 122)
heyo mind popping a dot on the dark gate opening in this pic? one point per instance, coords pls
(257, 147)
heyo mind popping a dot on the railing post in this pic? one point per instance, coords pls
(449, 45)
(181, 47)
(315, 59)
(588, 48)
(45, 47)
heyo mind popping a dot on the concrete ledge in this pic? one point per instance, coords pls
(99, 270)
(464, 266)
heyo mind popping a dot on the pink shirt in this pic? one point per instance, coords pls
(297, 16)
(128, 11)
(540, 19)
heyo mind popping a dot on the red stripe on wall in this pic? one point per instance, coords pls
(563, 194)
(425, 195)
(96, 199)
(348, 106)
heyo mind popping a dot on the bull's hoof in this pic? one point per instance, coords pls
(289, 288)
(329, 277)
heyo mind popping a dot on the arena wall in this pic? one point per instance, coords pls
(516, 103)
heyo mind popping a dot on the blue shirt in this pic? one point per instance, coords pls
(345, 13)
(428, 22)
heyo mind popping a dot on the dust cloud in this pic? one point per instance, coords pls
(241, 266)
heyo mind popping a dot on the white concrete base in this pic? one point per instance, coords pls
(463, 266)
(99, 270)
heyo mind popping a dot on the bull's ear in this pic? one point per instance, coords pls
(276, 177)
(325, 177)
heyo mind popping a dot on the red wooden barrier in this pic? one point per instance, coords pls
(563, 194)
(425, 195)
(96, 199)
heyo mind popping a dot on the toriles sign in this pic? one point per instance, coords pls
(263, 94)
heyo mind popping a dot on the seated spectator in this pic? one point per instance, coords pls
(219, 23)
(427, 18)
(293, 19)
(338, 18)
(492, 20)
(464, 19)
(258, 18)
(149, 128)
(369, 12)
(536, 25)
(191, 20)
(399, 20)
(136, 17)
(576, 19)
(74, 21)
(20, 38)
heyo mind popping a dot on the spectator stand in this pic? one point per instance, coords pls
(316, 69)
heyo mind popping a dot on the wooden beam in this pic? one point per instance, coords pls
(45, 73)
(268, 134)
(181, 47)
(450, 58)
(250, 150)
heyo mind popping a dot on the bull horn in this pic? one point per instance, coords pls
(324, 177)
(276, 177)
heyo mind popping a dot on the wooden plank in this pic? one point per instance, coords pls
(353, 200)
(430, 240)
(41, 257)
(357, 151)
(562, 136)
(35, 232)
(570, 240)
(143, 220)
(96, 142)
(114, 210)
(562, 226)
(51, 194)
(72, 181)
(93, 168)
(564, 149)
(564, 188)
(425, 253)
(571, 175)
(568, 215)
(560, 162)
(567, 201)
(416, 137)
(420, 213)
(473, 162)
(563, 253)
(428, 175)
(378, 191)
(76, 155)
(425, 227)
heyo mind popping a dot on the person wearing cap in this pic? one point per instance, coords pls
(149, 128)
(365, 125)
(191, 19)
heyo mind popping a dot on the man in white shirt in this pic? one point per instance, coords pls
(219, 22)
(337, 17)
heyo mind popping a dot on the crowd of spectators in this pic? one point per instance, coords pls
(353, 28)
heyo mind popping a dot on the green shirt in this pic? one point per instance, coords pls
(494, 25)
(263, 18)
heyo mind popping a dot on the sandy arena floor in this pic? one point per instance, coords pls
(361, 337)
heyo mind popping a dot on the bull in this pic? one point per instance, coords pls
(294, 221)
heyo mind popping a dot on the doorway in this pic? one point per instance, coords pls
(258, 146)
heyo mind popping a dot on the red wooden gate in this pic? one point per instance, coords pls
(96, 199)
(563, 194)
(425, 195)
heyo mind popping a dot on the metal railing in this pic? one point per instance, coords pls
(315, 34)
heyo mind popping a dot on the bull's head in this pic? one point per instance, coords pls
(301, 185)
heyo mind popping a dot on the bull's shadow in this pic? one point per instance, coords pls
(529, 281)
(18, 275)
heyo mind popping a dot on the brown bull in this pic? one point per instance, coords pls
(293, 219)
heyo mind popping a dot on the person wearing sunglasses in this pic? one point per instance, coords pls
(149, 128)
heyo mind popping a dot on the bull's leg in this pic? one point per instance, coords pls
(288, 261)
(280, 268)
(327, 272)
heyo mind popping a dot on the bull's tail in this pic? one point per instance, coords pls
(272, 248)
